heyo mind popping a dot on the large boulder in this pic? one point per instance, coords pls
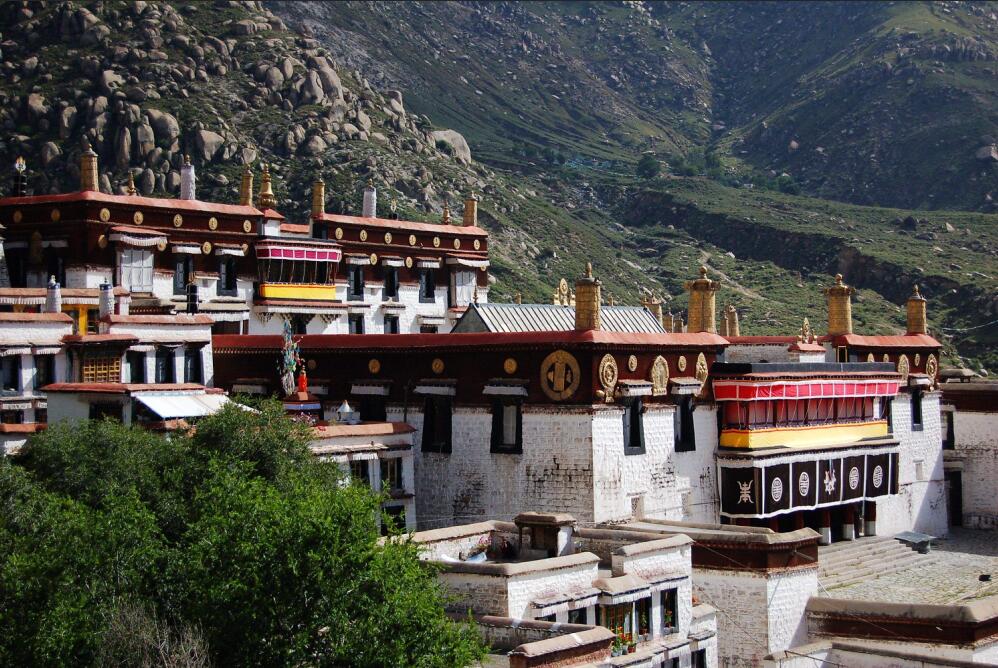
(50, 153)
(36, 106)
(67, 121)
(109, 82)
(315, 145)
(331, 84)
(145, 139)
(311, 89)
(123, 147)
(165, 126)
(987, 153)
(273, 78)
(207, 144)
(459, 147)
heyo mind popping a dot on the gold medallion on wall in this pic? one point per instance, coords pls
(412, 239)
(105, 215)
(206, 248)
(245, 248)
(137, 217)
(931, 368)
(904, 368)
(918, 359)
(161, 246)
(311, 365)
(701, 371)
(374, 258)
(437, 365)
(436, 242)
(477, 244)
(213, 223)
(509, 366)
(608, 376)
(871, 358)
(247, 226)
(363, 235)
(681, 363)
(55, 215)
(659, 377)
(457, 244)
(178, 220)
(18, 216)
(102, 242)
(374, 366)
(408, 263)
(632, 363)
(388, 237)
(560, 375)
(338, 233)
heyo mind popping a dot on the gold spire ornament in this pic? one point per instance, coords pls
(445, 218)
(131, 183)
(703, 291)
(246, 187)
(266, 198)
(88, 169)
(916, 313)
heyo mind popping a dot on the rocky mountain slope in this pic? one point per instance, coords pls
(555, 101)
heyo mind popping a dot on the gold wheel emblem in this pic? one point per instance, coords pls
(161, 246)
(437, 365)
(904, 368)
(388, 237)
(178, 220)
(102, 242)
(105, 215)
(632, 363)
(457, 244)
(931, 368)
(18, 216)
(374, 258)
(477, 244)
(363, 235)
(338, 233)
(436, 242)
(659, 377)
(55, 215)
(408, 263)
(247, 226)
(206, 248)
(137, 217)
(682, 363)
(412, 239)
(374, 366)
(509, 366)
(213, 223)
(608, 376)
(560, 375)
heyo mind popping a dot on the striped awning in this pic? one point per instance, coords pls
(138, 241)
(746, 390)
(467, 262)
(272, 252)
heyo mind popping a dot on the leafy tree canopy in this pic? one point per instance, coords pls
(648, 167)
(229, 545)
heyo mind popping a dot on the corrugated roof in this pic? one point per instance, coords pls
(555, 318)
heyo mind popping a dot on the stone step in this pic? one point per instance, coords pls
(872, 566)
(827, 562)
(844, 547)
(872, 571)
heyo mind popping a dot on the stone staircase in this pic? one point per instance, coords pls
(850, 562)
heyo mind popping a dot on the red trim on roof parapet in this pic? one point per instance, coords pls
(903, 341)
(134, 200)
(410, 225)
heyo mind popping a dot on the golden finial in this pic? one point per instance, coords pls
(266, 198)
(915, 293)
(589, 269)
(187, 159)
(518, 298)
(131, 183)
(703, 271)
(445, 218)
(838, 279)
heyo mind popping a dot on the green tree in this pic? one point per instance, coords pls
(648, 167)
(230, 545)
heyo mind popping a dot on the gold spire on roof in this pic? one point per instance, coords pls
(131, 183)
(246, 187)
(445, 218)
(266, 198)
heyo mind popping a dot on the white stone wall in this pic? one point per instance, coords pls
(524, 588)
(976, 445)
(920, 504)
(80, 276)
(470, 484)
(652, 565)
(759, 613)
(41, 333)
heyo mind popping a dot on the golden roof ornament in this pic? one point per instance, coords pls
(131, 183)
(518, 298)
(266, 198)
(20, 165)
(445, 218)
(246, 187)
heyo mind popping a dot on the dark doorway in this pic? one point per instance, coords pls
(954, 487)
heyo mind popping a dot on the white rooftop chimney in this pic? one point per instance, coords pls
(53, 297)
(187, 179)
(370, 201)
(106, 300)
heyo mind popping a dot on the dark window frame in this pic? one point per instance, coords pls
(497, 439)
(355, 323)
(166, 368)
(427, 286)
(684, 425)
(390, 279)
(433, 407)
(949, 430)
(394, 328)
(634, 427)
(44, 371)
(12, 373)
(227, 285)
(193, 366)
(135, 358)
(355, 283)
(183, 270)
(917, 416)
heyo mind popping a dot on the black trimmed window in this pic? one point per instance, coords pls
(916, 409)
(507, 426)
(356, 322)
(683, 425)
(670, 611)
(438, 412)
(360, 472)
(391, 474)
(391, 324)
(427, 286)
(372, 409)
(355, 283)
(226, 286)
(136, 362)
(949, 433)
(165, 371)
(11, 371)
(193, 369)
(183, 270)
(577, 616)
(634, 427)
(44, 370)
(320, 231)
(391, 289)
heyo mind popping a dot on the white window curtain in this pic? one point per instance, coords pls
(463, 287)
(135, 269)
